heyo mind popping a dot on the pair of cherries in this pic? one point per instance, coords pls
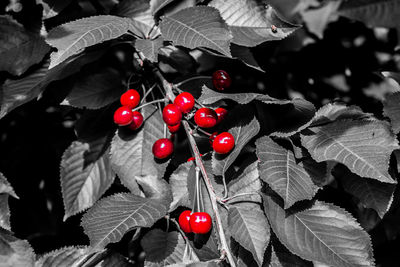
(124, 116)
(196, 222)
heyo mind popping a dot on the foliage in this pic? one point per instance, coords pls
(298, 136)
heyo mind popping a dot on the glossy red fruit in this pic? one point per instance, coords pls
(184, 219)
(123, 116)
(205, 117)
(163, 148)
(221, 113)
(223, 143)
(221, 80)
(212, 137)
(172, 115)
(137, 120)
(130, 98)
(200, 222)
(174, 128)
(185, 102)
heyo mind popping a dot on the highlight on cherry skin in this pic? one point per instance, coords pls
(221, 80)
(163, 148)
(223, 143)
(185, 102)
(123, 116)
(130, 98)
(183, 221)
(172, 115)
(200, 222)
(205, 118)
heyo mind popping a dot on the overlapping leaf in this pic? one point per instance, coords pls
(6, 190)
(19, 49)
(95, 89)
(279, 169)
(363, 146)
(149, 48)
(209, 96)
(281, 257)
(371, 193)
(323, 233)
(110, 218)
(15, 252)
(179, 185)
(64, 257)
(250, 228)
(197, 27)
(72, 37)
(19, 91)
(163, 248)
(85, 175)
(391, 109)
(251, 21)
(131, 152)
(242, 134)
(247, 182)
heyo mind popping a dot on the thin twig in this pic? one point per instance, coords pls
(191, 79)
(148, 103)
(147, 93)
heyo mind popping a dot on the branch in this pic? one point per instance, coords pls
(199, 163)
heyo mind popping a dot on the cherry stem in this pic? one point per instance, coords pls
(184, 237)
(148, 103)
(224, 248)
(128, 84)
(198, 189)
(147, 93)
(227, 199)
(191, 79)
(198, 129)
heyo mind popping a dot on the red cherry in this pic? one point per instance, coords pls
(184, 219)
(172, 115)
(174, 128)
(137, 120)
(193, 158)
(223, 143)
(221, 80)
(123, 116)
(221, 113)
(205, 118)
(130, 98)
(200, 222)
(163, 148)
(184, 101)
(212, 137)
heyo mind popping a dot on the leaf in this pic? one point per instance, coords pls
(19, 91)
(246, 56)
(251, 22)
(281, 257)
(195, 27)
(242, 134)
(131, 152)
(72, 37)
(15, 252)
(163, 248)
(64, 257)
(279, 169)
(95, 89)
(323, 233)
(6, 190)
(157, 5)
(110, 218)
(371, 193)
(19, 49)
(247, 182)
(249, 227)
(363, 146)
(177, 58)
(115, 260)
(156, 188)
(391, 109)
(179, 183)
(85, 174)
(209, 96)
(374, 13)
(149, 48)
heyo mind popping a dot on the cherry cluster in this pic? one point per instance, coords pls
(195, 222)
(124, 116)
